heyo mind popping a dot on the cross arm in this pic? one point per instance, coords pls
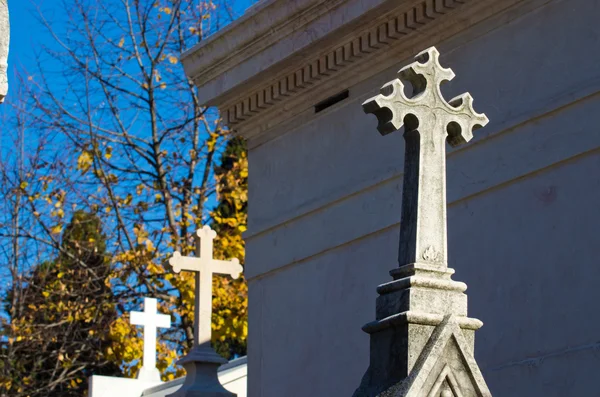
(231, 267)
(179, 262)
(465, 120)
(136, 318)
(163, 320)
(394, 109)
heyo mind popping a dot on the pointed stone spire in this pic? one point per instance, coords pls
(422, 341)
(202, 362)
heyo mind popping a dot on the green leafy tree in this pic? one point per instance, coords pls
(57, 331)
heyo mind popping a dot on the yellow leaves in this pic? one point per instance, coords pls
(173, 59)
(57, 229)
(84, 161)
(139, 189)
(149, 245)
(121, 42)
(108, 153)
(23, 185)
(166, 10)
(212, 141)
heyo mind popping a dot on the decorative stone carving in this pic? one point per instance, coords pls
(422, 340)
(438, 372)
(151, 320)
(202, 362)
(371, 40)
(4, 42)
(430, 122)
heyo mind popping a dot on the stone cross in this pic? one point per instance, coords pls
(205, 266)
(151, 320)
(4, 41)
(429, 121)
(422, 340)
(202, 362)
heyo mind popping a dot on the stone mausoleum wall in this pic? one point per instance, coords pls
(523, 206)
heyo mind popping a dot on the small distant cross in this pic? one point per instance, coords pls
(151, 320)
(429, 122)
(205, 266)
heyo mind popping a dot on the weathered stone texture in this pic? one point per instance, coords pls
(4, 41)
(412, 353)
(531, 176)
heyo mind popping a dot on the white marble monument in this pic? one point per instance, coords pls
(151, 320)
(422, 340)
(4, 44)
(207, 373)
(148, 376)
(325, 190)
(202, 362)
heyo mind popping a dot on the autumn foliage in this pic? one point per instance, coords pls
(117, 165)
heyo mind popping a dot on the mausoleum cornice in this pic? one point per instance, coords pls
(272, 60)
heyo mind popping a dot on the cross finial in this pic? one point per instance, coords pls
(427, 105)
(429, 122)
(205, 266)
(151, 320)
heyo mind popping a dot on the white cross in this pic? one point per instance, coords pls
(429, 123)
(150, 319)
(205, 266)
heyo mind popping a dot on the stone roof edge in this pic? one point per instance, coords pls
(298, 77)
(223, 369)
(261, 25)
(299, 23)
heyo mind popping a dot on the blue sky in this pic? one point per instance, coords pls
(28, 34)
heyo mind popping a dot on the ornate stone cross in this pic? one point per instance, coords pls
(429, 122)
(151, 320)
(422, 339)
(202, 362)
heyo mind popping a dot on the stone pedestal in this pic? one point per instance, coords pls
(201, 379)
(422, 340)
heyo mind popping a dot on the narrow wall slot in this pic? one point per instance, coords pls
(331, 101)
